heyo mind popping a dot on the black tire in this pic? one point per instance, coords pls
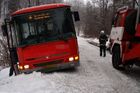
(116, 60)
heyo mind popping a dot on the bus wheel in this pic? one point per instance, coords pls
(116, 57)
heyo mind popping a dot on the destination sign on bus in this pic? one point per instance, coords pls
(38, 16)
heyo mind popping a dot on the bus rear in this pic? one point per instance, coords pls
(45, 38)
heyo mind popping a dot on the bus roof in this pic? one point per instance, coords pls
(38, 8)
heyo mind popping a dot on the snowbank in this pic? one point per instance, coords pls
(84, 82)
(95, 41)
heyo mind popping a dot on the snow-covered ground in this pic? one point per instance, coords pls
(95, 41)
(94, 75)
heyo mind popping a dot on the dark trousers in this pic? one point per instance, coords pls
(103, 51)
(13, 70)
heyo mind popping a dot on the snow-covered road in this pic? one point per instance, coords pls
(94, 75)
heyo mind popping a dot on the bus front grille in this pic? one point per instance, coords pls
(48, 63)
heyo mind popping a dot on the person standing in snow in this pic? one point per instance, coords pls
(102, 41)
(13, 63)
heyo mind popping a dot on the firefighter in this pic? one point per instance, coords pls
(102, 41)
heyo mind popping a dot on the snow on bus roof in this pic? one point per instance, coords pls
(38, 8)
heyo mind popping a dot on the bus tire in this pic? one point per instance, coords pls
(116, 57)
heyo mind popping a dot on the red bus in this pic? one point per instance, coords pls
(43, 37)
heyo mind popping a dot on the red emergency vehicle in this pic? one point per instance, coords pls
(43, 37)
(125, 37)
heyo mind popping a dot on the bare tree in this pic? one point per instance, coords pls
(51, 1)
(0, 6)
(13, 5)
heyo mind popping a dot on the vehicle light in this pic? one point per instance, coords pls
(20, 67)
(71, 59)
(26, 66)
(76, 58)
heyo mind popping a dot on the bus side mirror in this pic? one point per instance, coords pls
(76, 16)
(4, 29)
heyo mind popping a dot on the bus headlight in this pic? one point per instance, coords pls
(20, 67)
(26, 66)
(76, 58)
(71, 59)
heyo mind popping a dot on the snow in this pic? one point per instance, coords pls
(95, 41)
(0, 68)
(94, 75)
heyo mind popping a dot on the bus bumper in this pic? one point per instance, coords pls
(52, 67)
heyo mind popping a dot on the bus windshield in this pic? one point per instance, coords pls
(43, 26)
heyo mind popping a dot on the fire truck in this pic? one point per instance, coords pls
(125, 37)
(42, 37)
